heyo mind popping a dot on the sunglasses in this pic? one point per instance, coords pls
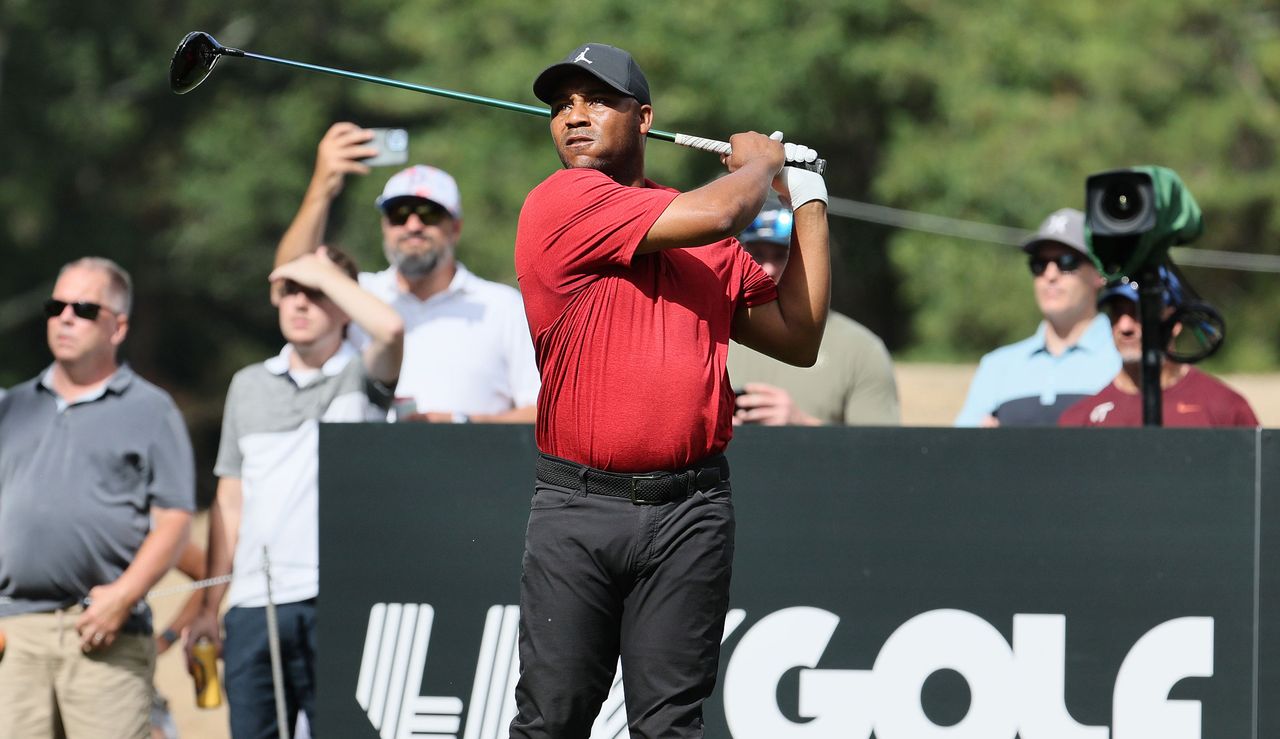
(88, 311)
(1067, 262)
(1115, 307)
(428, 212)
(292, 288)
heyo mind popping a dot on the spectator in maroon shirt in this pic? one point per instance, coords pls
(1189, 397)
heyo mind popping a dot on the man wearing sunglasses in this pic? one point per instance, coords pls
(268, 487)
(467, 351)
(1071, 355)
(97, 486)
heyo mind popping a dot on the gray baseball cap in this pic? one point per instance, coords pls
(1064, 226)
(609, 64)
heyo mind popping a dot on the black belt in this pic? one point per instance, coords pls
(641, 488)
(137, 623)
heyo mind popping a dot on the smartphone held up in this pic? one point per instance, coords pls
(392, 145)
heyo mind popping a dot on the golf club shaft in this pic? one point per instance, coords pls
(437, 91)
(692, 142)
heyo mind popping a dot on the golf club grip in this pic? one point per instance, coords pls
(722, 147)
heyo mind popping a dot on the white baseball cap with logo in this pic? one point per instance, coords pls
(428, 183)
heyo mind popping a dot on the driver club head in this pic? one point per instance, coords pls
(193, 61)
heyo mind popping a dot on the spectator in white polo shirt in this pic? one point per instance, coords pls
(467, 351)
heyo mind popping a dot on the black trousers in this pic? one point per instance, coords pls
(605, 578)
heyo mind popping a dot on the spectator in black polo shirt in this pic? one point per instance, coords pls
(97, 486)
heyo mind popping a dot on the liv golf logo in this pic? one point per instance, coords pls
(393, 664)
(390, 683)
(1016, 689)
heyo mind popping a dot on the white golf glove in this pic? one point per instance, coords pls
(798, 153)
(797, 186)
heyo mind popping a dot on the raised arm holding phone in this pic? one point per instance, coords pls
(468, 356)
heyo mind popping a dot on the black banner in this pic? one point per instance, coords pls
(895, 583)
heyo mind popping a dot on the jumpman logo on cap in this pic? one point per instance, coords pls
(1057, 224)
(582, 56)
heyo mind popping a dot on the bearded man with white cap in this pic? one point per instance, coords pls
(467, 352)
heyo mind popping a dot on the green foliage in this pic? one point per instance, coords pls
(1002, 110)
(990, 111)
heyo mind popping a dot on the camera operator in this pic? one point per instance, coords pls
(1189, 397)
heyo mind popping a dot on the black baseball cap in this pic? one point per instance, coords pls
(609, 64)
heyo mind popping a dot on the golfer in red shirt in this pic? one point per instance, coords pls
(633, 291)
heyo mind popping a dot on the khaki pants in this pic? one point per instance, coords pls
(50, 689)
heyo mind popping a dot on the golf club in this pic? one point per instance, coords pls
(198, 52)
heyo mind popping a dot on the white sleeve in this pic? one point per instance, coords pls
(522, 369)
(368, 281)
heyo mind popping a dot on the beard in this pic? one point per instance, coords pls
(413, 266)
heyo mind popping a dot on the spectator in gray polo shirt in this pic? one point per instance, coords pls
(97, 487)
(268, 488)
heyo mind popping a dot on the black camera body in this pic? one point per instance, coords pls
(1120, 206)
(1133, 216)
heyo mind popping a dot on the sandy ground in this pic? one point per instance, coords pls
(172, 679)
(931, 395)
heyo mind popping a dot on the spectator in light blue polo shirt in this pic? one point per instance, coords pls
(1071, 355)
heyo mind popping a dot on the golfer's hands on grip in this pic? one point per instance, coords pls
(795, 153)
(796, 185)
(750, 147)
(339, 155)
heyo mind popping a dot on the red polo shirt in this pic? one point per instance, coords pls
(631, 348)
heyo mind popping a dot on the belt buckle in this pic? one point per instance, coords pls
(707, 477)
(650, 476)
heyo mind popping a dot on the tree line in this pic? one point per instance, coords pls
(991, 111)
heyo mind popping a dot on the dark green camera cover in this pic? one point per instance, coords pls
(1178, 221)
